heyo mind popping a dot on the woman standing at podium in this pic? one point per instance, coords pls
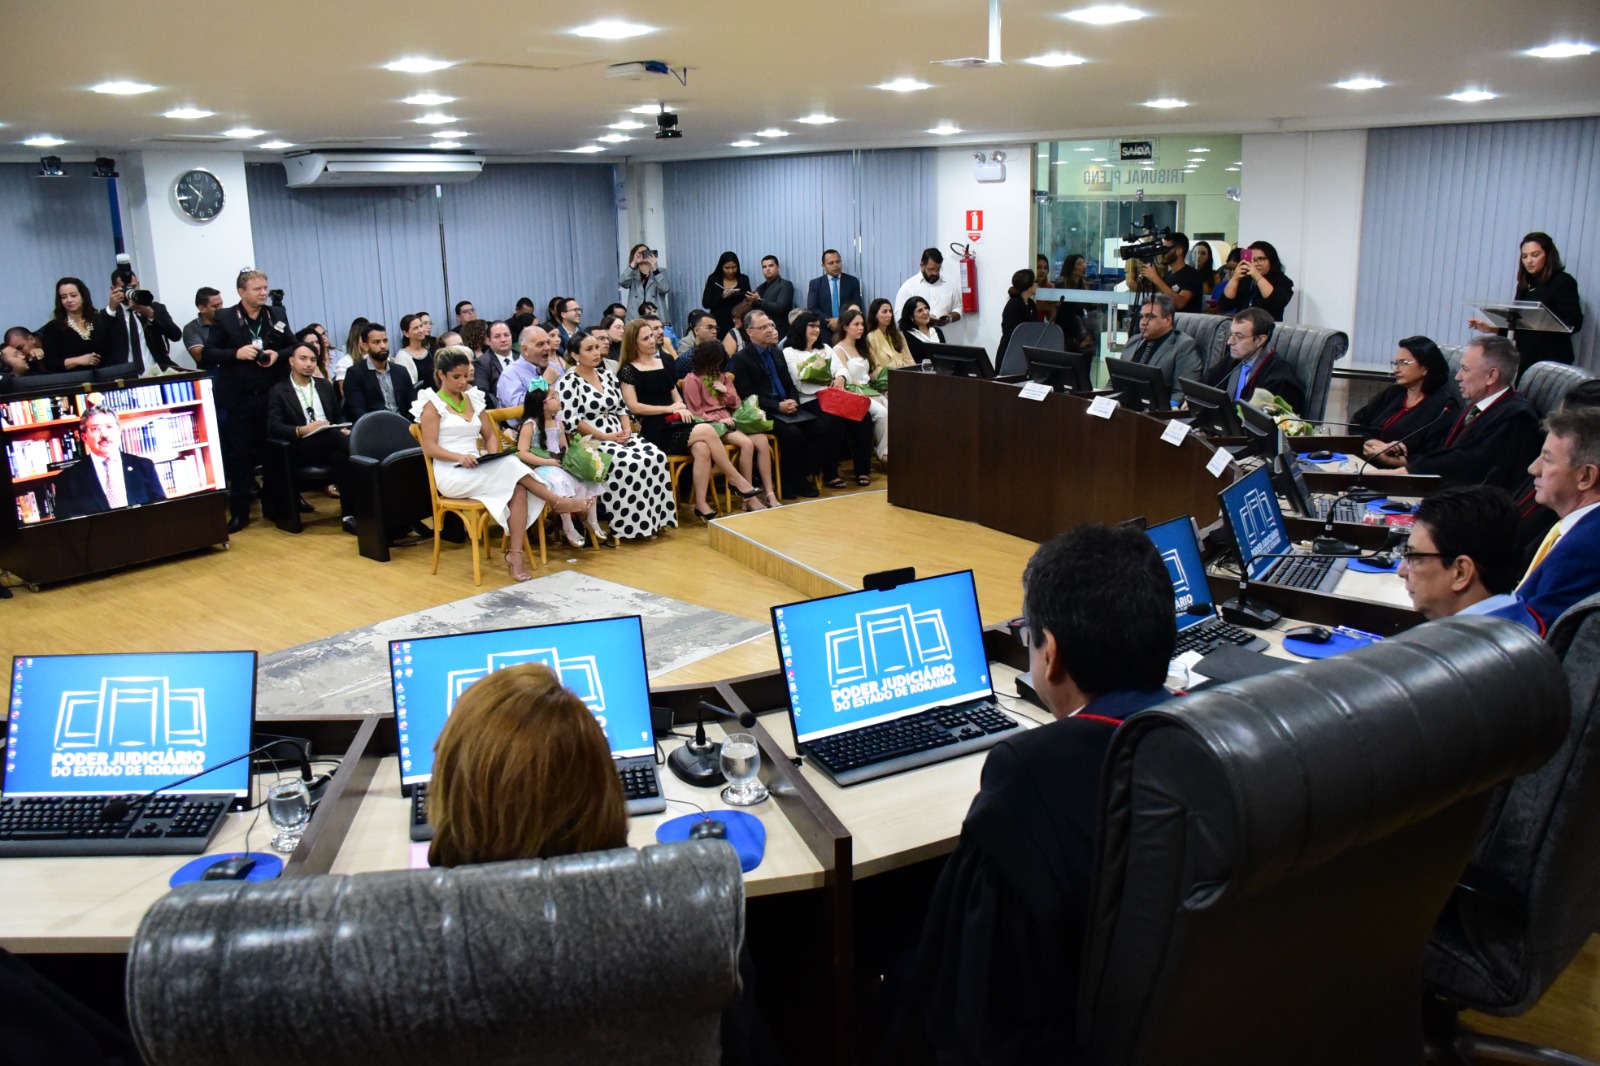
(1541, 279)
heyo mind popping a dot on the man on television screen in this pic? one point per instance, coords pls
(106, 478)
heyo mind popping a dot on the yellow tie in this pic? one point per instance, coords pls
(1545, 545)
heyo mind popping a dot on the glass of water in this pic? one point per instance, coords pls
(741, 765)
(289, 807)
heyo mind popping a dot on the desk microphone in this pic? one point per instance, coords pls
(117, 808)
(698, 762)
(1240, 612)
(1359, 492)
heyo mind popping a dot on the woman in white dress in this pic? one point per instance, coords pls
(540, 444)
(638, 496)
(854, 361)
(455, 422)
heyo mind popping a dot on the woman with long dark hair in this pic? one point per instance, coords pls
(917, 325)
(1541, 278)
(1019, 308)
(1203, 259)
(1258, 281)
(1416, 408)
(886, 345)
(728, 294)
(77, 337)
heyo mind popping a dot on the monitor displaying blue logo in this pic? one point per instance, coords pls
(1252, 510)
(869, 656)
(111, 725)
(601, 662)
(1180, 551)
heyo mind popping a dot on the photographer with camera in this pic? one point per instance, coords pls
(1258, 281)
(247, 347)
(146, 326)
(643, 281)
(1182, 283)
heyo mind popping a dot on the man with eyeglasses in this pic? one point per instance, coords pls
(301, 410)
(569, 315)
(1161, 345)
(760, 370)
(1255, 365)
(1182, 284)
(106, 478)
(1461, 557)
(1496, 436)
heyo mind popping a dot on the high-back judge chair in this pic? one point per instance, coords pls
(618, 957)
(1276, 850)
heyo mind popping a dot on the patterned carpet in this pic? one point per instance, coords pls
(347, 673)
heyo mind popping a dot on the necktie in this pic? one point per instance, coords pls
(833, 283)
(1545, 545)
(772, 374)
(133, 339)
(112, 485)
(1244, 379)
(1472, 416)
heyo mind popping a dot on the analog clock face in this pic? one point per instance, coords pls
(199, 195)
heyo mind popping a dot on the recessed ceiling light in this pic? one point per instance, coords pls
(1472, 96)
(446, 144)
(1238, 162)
(43, 140)
(772, 131)
(1231, 170)
(1083, 149)
(428, 100)
(1359, 85)
(1055, 59)
(1166, 102)
(1199, 151)
(1098, 159)
(1196, 159)
(434, 119)
(122, 88)
(275, 146)
(944, 129)
(1104, 14)
(240, 133)
(417, 65)
(1061, 162)
(588, 149)
(626, 124)
(904, 85)
(744, 144)
(187, 112)
(1566, 50)
(451, 133)
(817, 120)
(613, 30)
(616, 138)
(647, 109)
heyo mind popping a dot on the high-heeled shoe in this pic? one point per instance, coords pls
(597, 536)
(752, 497)
(516, 569)
(704, 516)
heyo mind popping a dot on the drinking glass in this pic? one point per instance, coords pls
(289, 807)
(741, 763)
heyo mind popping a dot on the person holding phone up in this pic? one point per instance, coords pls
(1258, 281)
(643, 281)
(728, 294)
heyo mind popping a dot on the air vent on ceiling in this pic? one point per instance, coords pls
(329, 169)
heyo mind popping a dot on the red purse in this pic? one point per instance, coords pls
(851, 405)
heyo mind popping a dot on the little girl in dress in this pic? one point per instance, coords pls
(540, 443)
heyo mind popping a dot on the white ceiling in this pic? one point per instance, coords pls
(311, 72)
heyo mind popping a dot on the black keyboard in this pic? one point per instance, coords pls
(641, 788)
(916, 740)
(1209, 636)
(72, 825)
(1343, 510)
(1299, 572)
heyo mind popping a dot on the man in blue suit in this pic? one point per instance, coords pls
(1566, 479)
(832, 293)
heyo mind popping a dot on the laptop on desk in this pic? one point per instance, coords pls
(1250, 508)
(602, 662)
(882, 681)
(1199, 627)
(87, 729)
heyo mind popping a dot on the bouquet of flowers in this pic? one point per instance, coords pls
(750, 418)
(584, 461)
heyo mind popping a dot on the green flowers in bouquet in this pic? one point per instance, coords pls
(750, 418)
(584, 461)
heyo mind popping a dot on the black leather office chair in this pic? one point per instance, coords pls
(1545, 384)
(1210, 333)
(1529, 900)
(387, 484)
(1276, 850)
(1029, 335)
(616, 957)
(1312, 351)
(282, 479)
(67, 381)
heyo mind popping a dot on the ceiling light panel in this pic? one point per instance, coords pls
(1104, 14)
(905, 85)
(417, 65)
(187, 113)
(122, 88)
(613, 30)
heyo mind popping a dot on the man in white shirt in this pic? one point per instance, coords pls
(106, 478)
(1566, 479)
(495, 360)
(944, 299)
(1493, 439)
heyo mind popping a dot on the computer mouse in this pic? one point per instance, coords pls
(1395, 507)
(710, 829)
(1310, 634)
(1319, 457)
(233, 868)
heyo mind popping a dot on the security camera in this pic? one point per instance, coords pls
(667, 126)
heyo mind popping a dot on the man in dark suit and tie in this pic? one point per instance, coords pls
(832, 293)
(1163, 345)
(760, 370)
(147, 328)
(776, 292)
(1566, 479)
(1496, 436)
(106, 478)
(1254, 365)
(494, 360)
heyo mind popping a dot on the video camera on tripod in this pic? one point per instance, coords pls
(1145, 241)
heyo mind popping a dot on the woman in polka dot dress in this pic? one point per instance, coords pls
(638, 496)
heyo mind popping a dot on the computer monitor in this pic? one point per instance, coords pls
(864, 657)
(1213, 408)
(1251, 509)
(1179, 546)
(1260, 431)
(1061, 370)
(959, 360)
(1139, 386)
(602, 662)
(127, 724)
(1288, 479)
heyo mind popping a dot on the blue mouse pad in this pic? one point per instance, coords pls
(1367, 566)
(1336, 457)
(1343, 640)
(267, 867)
(746, 833)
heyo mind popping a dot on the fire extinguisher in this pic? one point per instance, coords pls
(969, 278)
